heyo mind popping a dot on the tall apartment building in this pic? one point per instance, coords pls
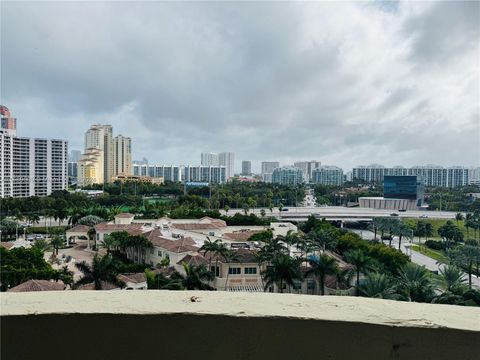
(122, 155)
(168, 173)
(246, 167)
(307, 168)
(101, 137)
(327, 175)
(30, 166)
(209, 159)
(287, 175)
(91, 167)
(432, 175)
(267, 170)
(210, 174)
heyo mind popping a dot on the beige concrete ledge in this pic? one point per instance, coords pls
(177, 324)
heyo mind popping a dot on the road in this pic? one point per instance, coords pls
(416, 257)
(344, 213)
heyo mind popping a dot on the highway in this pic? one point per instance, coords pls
(343, 213)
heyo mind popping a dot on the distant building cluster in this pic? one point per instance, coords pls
(432, 175)
(105, 157)
(30, 166)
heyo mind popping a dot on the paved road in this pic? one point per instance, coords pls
(416, 257)
(340, 212)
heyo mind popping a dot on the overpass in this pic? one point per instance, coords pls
(343, 213)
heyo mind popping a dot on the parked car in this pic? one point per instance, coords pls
(424, 216)
(284, 209)
(393, 214)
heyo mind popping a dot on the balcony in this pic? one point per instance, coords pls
(222, 325)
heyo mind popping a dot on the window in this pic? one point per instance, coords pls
(159, 253)
(235, 271)
(215, 270)
(250, 270)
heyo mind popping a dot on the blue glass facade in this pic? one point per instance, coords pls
(404, 187)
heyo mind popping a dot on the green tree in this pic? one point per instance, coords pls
(195, 278)
(283, 270)
(320, 267)
(466, 257)
(376, 285)
(56, 243)
(361, 264)
(450, 233)
(102, 269)
(415, 283)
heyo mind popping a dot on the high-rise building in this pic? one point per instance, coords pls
(30, 166)
(209, 159)
(267, 170)
(432, 175)
(227, 159)
(307, 168)
(246, 167)
(122, 155)
(287, 175)
(74, 156)
(90, 167)
(208, 174)
(7, 123)
(101, 137)
(168, 173)
(72, 172)
(327, 175)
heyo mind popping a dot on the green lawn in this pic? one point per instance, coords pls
(436, 223)
(436, 255)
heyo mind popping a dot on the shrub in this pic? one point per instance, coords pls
(435, 245)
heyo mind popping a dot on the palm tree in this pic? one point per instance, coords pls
(210, 247)
(41, 245)
(102, 269)
(283, 270)
(109, 243)
(452, 279)
(56, 242)
(376, 285)
(195, 278)
(459, 217)
(465, 257)
(229, 256)
(361, 264)
(402, 230)
(320, 267)
(322, 240)
(415, 283)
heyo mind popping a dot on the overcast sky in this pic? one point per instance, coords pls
(343, 83)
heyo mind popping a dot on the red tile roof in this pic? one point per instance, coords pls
(196, 260)
(79, 228)
(176, 246)
(91, 286)
(6, 245)
(118, 227)
(132, 277)
(38, 285)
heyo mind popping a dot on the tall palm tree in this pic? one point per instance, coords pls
(402, 230)
(452, 279)
(229, 256)
(361, 264)
(378, 285)
(283, 270)
(415, 283)
(459, 217)
(56, 242)
(102, 269)
(195, 278)
(109, 243)
(320, 267)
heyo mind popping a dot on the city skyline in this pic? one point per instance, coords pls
(388, 85)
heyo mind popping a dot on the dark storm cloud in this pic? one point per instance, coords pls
(345, 83)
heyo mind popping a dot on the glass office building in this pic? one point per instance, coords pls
(404, 187)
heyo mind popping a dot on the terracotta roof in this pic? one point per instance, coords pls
(240, 235)
(6, 245)
(38, 285)
(91, 286)
(118, 227)
(218, 222)
(125, 215)
(79, 228)
(196, 226)
(132, 277)
(196, 260)
(176, 246)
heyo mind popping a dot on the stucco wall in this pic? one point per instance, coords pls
(214, 325)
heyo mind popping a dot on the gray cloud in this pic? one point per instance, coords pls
(345, 83)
